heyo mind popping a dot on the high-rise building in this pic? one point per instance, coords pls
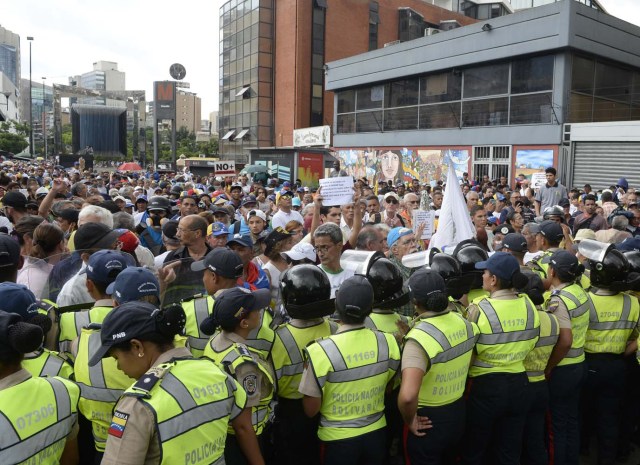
(266, 93)
(188, 107)
(213, 123)
(9, 75)
(104, 76)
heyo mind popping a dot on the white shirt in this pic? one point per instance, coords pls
(281, 218)
(336, 279)
(75, 291)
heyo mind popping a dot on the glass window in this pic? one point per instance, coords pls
(532, 74)
(582, 75)
(580, 108)
(531, 109)
(400, 119)
(445, 115)
(486, 112)
(346, 101)
(370, 121)
(369, 97)
(486, 80)
(607, 110)
(613, 82)
(401, 93)
(440, 87)
(346, 123)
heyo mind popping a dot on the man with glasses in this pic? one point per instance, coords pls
(285, 212)
(390, 215)
(402, 241)
(328, 247)
(411, 202)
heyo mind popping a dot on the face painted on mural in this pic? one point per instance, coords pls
(389, 164)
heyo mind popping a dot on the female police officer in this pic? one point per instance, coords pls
(179, 409)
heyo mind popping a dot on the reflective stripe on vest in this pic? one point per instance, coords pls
(52, 366)
(355, 423)
(261, 338)
(500, 337)
(536, 360)
(611, 336)
(15, 450)
(297, 364)
(580, 308)
(448, 353)
(201, 311)
(98, 389)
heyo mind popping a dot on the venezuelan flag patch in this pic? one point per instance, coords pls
(118, 423)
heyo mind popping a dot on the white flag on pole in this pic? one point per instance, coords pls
(455, 223)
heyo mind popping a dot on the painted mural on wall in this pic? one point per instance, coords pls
(427, 165)
(531, 161)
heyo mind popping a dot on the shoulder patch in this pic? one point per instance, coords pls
(555, 292)
(118, 424)
(553, 306)
(242, 350)
(250, 384)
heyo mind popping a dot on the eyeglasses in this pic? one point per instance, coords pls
(391, 200)
(323, 248)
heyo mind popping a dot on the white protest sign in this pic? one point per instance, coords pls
(426, 218)
(337, 191)
(224, 167)
(538, 180)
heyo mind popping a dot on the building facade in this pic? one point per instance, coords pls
(188, 106)
(9, 75)
(273, 59)
(496, 97)
(104, 76)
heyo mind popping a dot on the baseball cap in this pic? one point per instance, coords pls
(300, 251)
(233, 305)
(275, 236)
(564, 203)
(355, 296)
(235, 185)
(397, 233)
(259, 213)
(514, 242)
(18, 299)
(69, 214)
(500, 197)
(500, 264)
(222, 261)
(42, 192)
(217, 229)
(551, 230)
(296, 202)
(286, 184)
(105, 265)
(170, 229)
(126, 322)
(286, 192)
(583, 234)
(119, 197)
(9, 251)
(565, 262)
(95, 236)
(505, 229)
(219, 210)
(425, 282)
(391, 194)
(142, 198)
(492, 219)
(241, 239)
(248, 199)
(133, 283)
(14, 199)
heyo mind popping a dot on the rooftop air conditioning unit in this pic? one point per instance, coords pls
(449, 24)
(431, 31)
(389, 44)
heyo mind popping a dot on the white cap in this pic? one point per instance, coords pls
(119, 197)
(41, 191)
(391, 194)
(258, 213)
(300, 251)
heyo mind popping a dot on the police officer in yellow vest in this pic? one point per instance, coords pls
(237, 312)
(16, 298)
(613, 325)
(468, 253)
(450, 270)
(509, 329)
(566, 370)
(179, 409)
(435, 362)
(39, 414)
(222, 268)
(345, 381)
(548, 240)
(71, 323)
(305, 292)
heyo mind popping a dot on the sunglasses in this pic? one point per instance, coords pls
(393, 201)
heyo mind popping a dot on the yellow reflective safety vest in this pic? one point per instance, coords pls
(536, 360)
(47, 363)
(579, 306)
(37, 416)
(457, 307)
(193, 403)
(50, 310)
(476, 295)
(385, 321)
(229, 360)
(101, 386)
(261, 338)
(448, 341)
(287, 354)
(71, 325)
(196, 310)
(353, 369)
(540, 264)
(612, 320)
(509, 330)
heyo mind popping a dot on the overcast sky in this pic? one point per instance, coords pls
(143, 36)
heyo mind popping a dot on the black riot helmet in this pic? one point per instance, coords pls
(306, 292)
(633, 257)
(158, 202)
(354, 299)
(550, 212)
(611, 272)
(386, 280)
(468, 253)
(449, 268)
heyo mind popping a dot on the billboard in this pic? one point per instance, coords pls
(310, 168)
(164, 94)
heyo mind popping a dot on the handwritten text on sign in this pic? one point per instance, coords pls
(337, 191)
(426, 217)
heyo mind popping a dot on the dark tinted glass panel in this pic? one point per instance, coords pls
(532, 75)
(346, 123)
(401, 93)
(580, 107)
(486, 80)
(445, 115)
(369, 121)
(606, 110)
(487, 112)
(346, 101)
(440, 87)
(401, 119)
(613, 82)
(369, 97)
(582, 75)
(531, 109)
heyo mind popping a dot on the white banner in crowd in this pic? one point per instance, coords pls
(426, 217)
(538, 180)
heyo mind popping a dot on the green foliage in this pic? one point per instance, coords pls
(14, 136)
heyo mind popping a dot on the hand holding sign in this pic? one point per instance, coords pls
(423, 223)
(337, 191)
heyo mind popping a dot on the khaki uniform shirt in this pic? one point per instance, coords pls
(557, 306)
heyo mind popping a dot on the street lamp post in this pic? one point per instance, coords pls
(44, 117)
(30, 39)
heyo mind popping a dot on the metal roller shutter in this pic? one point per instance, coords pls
(601, 164)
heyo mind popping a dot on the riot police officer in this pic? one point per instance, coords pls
(449, 269)
(468, 253)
